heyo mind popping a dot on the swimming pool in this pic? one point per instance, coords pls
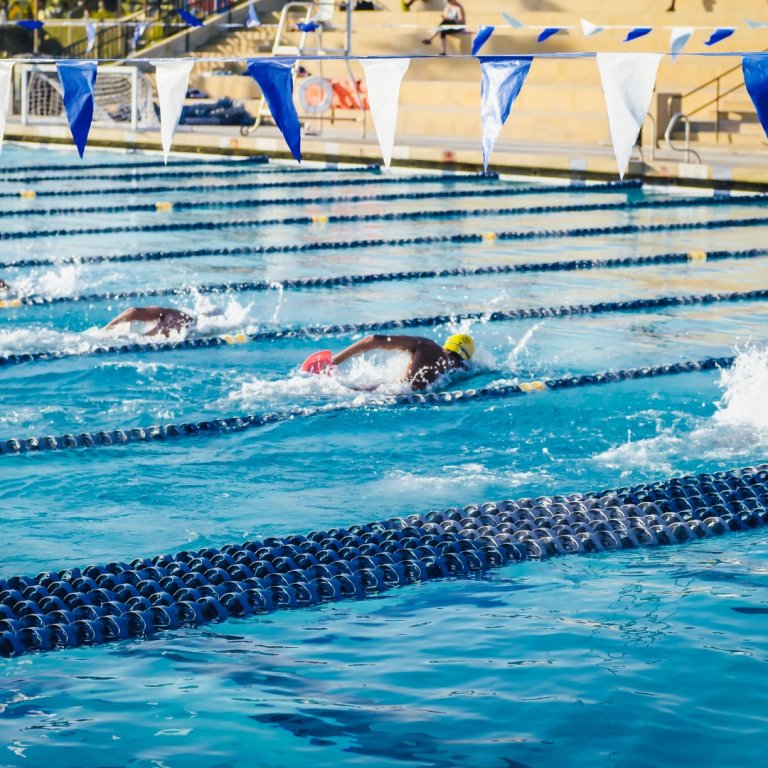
(622, 658)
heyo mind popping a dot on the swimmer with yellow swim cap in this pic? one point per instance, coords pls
(428, 359)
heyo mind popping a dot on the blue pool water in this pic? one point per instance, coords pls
(631, 658)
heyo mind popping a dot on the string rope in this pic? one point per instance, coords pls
(116, 601)
(473, 237)
(343, 281)
(326, 200)
(225, 425)
(434, 178)
(320, 331)
(212, 226)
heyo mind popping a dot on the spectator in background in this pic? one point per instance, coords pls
(80, 11)
(453, 18)
(101, 13)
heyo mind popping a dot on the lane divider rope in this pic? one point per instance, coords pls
(434, 178)
(320, 331)
(226, 425)
(500, 191)
(305, 283)
(443, 214)
(98, 604)
(239, 169)
(514, 236)
(172, 163)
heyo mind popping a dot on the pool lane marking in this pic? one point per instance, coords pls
(344, 281)
(514, 236)
(182, 205)
(316, 332)
(433, 178)
(440, 214)
(119, 601)
(225, 425)
(10, 171)
(204, 170)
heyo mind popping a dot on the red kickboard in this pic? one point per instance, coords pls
(318, 362)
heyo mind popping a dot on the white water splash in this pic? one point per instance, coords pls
(453, 477)
(738, 429)
(279, 303)
(743, 403)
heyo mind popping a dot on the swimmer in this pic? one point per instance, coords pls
(6, 292)
(428, 359)
(166, 319)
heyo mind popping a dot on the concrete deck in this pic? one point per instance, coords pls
(720, 168)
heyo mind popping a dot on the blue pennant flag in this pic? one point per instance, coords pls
(253, 17)
(190, 18)
(502, 79)
(755, 69)
(29, 24)
(275, 78)
(720, 34)
(481, 38)
(633, 34)
(547, 33)
(77, 81)
(309, 26)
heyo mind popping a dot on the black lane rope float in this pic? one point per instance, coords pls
(442, 214)
(199, 172)
(468, 238)
(501, 191)
(226, 425)
(98, 604)
(320, 331)
(434, 178)
(304, 283)
(172, 163)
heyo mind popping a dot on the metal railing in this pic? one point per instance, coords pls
(112, 42)
(721, 91)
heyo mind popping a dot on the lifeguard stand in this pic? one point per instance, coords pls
(310, 19)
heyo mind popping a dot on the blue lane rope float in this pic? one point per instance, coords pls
(182, 205)
(320, 331)
(229, 424)
(433, 178)
(243, 169)
(343, 281)
(443, 214)
(138, 164)
(473, 237)
(98, 604)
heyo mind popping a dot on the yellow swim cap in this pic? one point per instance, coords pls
(461, 344)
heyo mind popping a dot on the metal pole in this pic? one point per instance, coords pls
(348, 44)
(35, 33)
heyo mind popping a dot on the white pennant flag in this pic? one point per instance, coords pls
(172, 79)
(383, 78)
(90, 33)
(678, 39)
(6, 67)
(628, 80)
(588, 28)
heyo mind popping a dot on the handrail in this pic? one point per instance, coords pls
(679, 116)
(713, 80)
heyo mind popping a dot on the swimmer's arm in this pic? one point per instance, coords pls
(136, 315)
(377, 341)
